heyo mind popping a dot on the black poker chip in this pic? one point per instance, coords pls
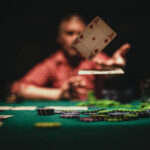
(45, 111)
(92, 112)
(100, 116)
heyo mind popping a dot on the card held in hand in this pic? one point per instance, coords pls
(96, 36)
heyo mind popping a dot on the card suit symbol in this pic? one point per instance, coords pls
(81, 36)
(111, 35)
(96, 20)
(94, 38)
(96, 50)
(106, 40)
(91, 26)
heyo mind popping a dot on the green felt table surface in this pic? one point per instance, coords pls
(18, 132)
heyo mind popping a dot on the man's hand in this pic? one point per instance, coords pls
(74, 88)
(117, 58)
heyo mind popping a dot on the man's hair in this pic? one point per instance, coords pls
(72, 16)
(68, 17)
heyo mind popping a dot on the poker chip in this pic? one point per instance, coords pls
(69, 115)
(89, 119)
(141, 113)
(47, 124)
(114, 119)
(57, 111)
(118, 114)
(105, 111)
(45, 111)
(130, 116)
(71, 112)
(90, 112)
(64, 112)
(100, 116)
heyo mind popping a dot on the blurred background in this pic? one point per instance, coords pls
(28, 32)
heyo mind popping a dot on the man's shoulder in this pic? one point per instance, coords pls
(58, 56)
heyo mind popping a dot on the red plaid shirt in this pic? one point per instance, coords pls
(55, 70)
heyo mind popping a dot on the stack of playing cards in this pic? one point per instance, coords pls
(96, 36)
(102, 71)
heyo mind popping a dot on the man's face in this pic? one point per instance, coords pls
(69, 30)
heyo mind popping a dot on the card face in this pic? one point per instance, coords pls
(96, 36)
(102, 71)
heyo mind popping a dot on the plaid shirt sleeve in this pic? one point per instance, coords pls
(39, 75)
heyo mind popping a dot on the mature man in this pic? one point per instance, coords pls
(60, 70)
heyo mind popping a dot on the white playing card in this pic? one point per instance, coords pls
(24, 108)
(5, 107)
(96, 36)
(2, 117)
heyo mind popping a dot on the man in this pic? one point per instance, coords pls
(61, 69)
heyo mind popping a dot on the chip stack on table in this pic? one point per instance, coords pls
(70, 114)
(45, 111)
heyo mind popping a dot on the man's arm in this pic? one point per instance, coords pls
(35, 92)
(73, 88)
(32, 84)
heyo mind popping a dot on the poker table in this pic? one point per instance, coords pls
(18, 132)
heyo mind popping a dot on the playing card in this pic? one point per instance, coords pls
(2, 117)
(102, 71)
(5, 107)
(96, 36)
(24, 108)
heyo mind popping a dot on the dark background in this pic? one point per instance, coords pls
(28, 31)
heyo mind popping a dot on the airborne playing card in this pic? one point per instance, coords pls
(96, 36)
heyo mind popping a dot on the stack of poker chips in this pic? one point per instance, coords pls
(70, 114)
(45, 111)
(116, 115)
